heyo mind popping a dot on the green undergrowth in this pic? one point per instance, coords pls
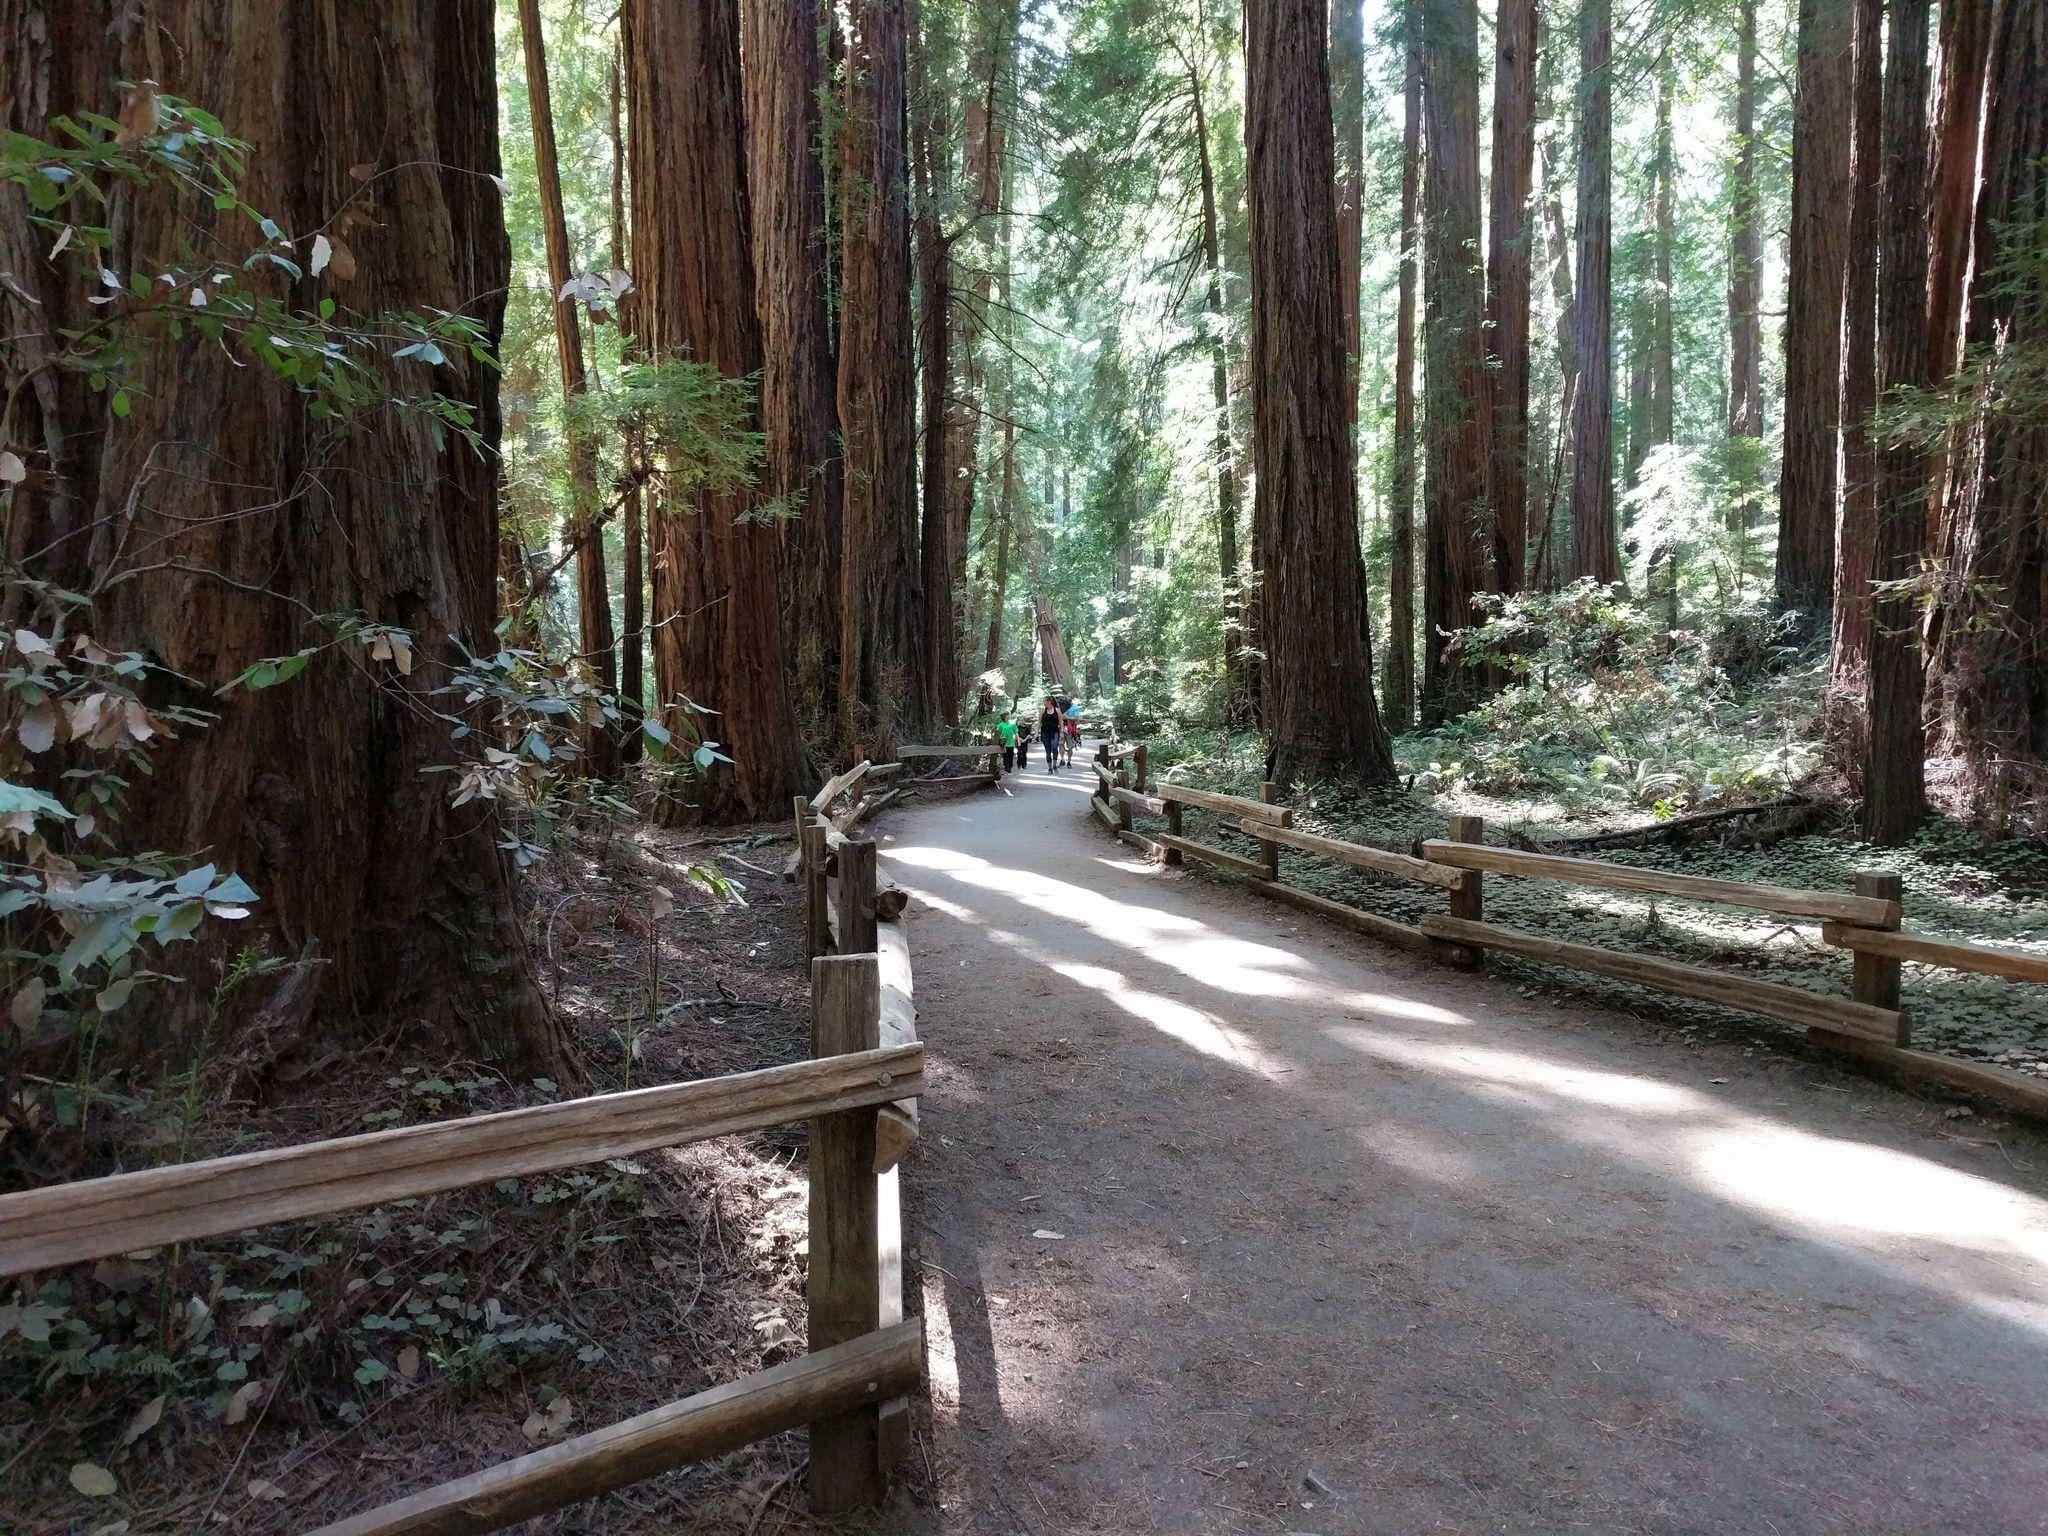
(1956, 886)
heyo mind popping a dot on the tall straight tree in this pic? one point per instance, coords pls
(633, 572)
(1745, 284)
(597, 643)
(1347, 79)
(1807, 488)
(1241, 705)
(1596, 553)
(877, 399)
(1994, 644)
(1510, 249)
(314, 791)
(1894, 775)
(1319, 713)
(1455, 390)
(1397, 677)
(1965, 34)
(799, 409)
(717, 624)
(937, 667)
(1856, 523)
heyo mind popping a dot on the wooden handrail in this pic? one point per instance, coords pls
(1210, 800)
(1380, 861)
(865, 1370)
(1863, 911)
(1979, 959)
(839, 784)
(1774, 999)
(98, 1218)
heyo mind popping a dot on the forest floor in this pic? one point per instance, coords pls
(270, 1382)
(1233, 1221)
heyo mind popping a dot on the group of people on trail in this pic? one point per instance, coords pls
(1059, 724)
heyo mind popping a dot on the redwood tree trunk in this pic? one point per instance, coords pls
(1397, 677)
(1993, 659)
(1813, 321)
(799, 414)
(1856, 527)
(937, 668)
(632, 534)
(315, 790)
(1509, 253)
(1347, 71)
(877, 395)
(597, 643)
(1745, 282)
(1595, 552)
(1319, 711)
(717, 625)
(1240, 707)
(1894, 779)
(1965, 33)
(1455, 387)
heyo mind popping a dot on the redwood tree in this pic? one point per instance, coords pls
(1509, 252)
(1455, 389)
(1894, 790)
(1856, 525)
(1595, 550)
(315, 790)
(716, 622)
(799, 411)
(877, 401)
(1813, 320)
(597, 643)
(1397, 681)
(1745, 276)
(1319, 713)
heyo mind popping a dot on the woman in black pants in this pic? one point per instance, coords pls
(1049, 734)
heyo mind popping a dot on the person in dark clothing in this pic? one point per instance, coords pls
(1049, 734)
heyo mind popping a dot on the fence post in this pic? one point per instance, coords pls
(1173, 829)
(857, 897)
(844, 1285)
(1269, 853)
(1123, 807)
(1468, 896)
(803, 820)
(1138, 761)
(817, 891)
(1876, 977)
(1102, 757)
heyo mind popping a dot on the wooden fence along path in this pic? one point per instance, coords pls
(1871, 1023)
(859, 1091)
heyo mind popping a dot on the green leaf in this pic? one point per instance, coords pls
(119, 404)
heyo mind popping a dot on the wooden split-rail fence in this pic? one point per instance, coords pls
(1871, 1024)
(859, 1092)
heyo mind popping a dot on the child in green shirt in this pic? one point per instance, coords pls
(1006, 733)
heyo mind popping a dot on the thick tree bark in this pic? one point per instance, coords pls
(1807, 489)
(1993, 660)
(877, 699)
(1458, 523)
(1553, 550)
(801, 467)
(717, 624)
(1319, 712)
(1957, 134)
(1745, 282)
(1240, 707)
(937, 668)
(1894, 776)
(597, 643)
(314, 791)
(632, 535)
(1856, 526)
(1595, 551)
(1510, 250)
(1397, 677)
(1347, 80)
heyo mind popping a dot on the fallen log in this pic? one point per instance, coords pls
(1676, 829)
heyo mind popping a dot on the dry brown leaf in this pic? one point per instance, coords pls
(266, 1491)
(141, 115)
(409, 1361)
(241, 1402)
(92, 1480)
(145, 1420)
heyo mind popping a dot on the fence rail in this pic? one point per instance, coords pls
(1870, 1025)
(859, 1092)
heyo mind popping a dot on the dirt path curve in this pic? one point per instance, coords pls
(1352, 1243)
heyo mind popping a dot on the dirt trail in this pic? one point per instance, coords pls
(1352, 1243)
